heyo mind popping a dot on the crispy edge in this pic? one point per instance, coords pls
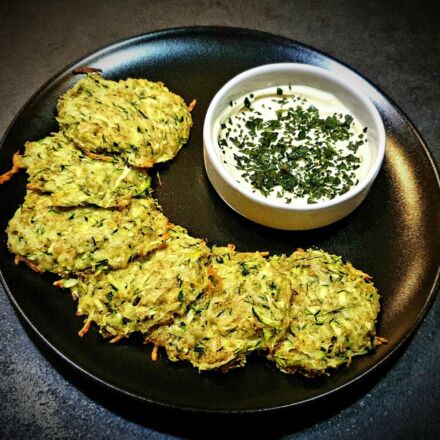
(379, 340)
(154, 353)
(85, 328)
(108, 158)
(85, 70)
(192, 104)
(19, 259)
(99, 156)
(16, 166)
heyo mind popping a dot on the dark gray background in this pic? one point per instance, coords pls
(394, 44)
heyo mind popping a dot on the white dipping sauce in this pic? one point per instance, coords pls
(294, 151)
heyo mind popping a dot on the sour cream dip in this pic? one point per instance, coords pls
(292, 143)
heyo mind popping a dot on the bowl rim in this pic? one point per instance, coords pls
(210, 145)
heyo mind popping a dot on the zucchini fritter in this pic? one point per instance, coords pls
(68, 240)
(88, 217)
(57, 167)
(243, 313)
(332, 315)
(149, 291)
(140, 120)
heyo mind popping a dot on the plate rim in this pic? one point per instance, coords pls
(184, 30)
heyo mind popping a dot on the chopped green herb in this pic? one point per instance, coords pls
(299, 153)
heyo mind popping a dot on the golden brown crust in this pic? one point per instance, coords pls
(85, 69)
(215, 281)
(380, 341)
(85, 328)
(33, 187)
(14, 170)
(146, 164)
(99, 156)
(116, 339)
(154, 353)
(192, 104)
(19, 259)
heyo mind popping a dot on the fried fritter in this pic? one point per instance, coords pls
(332, 314)
(86, 238)
(148, 292)
(71, 178)
(133, 271)
(139, 120)
(244, 312)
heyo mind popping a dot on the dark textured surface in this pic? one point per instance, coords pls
(393, 47)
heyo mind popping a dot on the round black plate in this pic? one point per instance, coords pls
(393, 235)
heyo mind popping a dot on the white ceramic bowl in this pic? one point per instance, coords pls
(276, 213)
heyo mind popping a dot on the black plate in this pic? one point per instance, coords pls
(393, 235)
